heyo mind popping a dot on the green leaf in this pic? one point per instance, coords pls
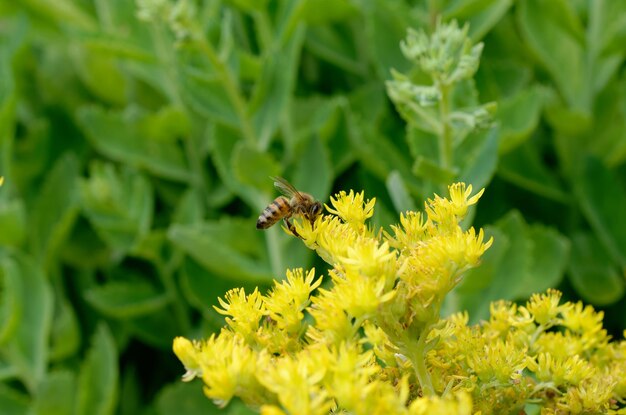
(323, 12)
(225, 141)
(155, 329)
(101, 74)
(65, 337)
(553, 32)
(399, 194)
(432, 171)
(550, 253)
(592, 273)
(12, 221)
(214, 245)
(204, 92)
(253, 167)
(185, 399)
(11, 298)
(608, 138)
(378, 153)
(119, 205)
(478, 157)
(314, 172)
(201, 287)
(126, 299)
(27, 349)
(84, 249)
(519, 116)
(96, 392)
(603, 202)
(144, 141)
(605, 24)
(13, 402)
(330, 44)
(274, 88)
(386, 24)
(524, 168)
(481, 15)
(56, 394)
(55, 209)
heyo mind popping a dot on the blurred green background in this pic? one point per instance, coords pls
(136, 141)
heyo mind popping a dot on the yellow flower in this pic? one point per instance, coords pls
(498, 361)
(558, 344)
(561, 371)
(545, 307)
(370, 332)
(458, 404)
(1, 180)
(296, 382)
(448, 212)
(245, 311)
(359, 296)
(230, 368)
(332, 324)
(330, 237)
(187, 353)
(370, 258)
(285, 304)
(413, 231)
(352, 208)
(591, 397)
(587, 323)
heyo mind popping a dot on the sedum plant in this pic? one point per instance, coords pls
(372, 341)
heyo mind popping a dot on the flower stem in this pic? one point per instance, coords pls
(418, 359)
(445, 136)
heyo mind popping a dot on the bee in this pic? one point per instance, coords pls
(284, 207)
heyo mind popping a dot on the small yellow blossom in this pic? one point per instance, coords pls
(558, 344)
(560, 371)
(287, 301)
(296, 382)
(370, 258)
(458, 404)
(332, 323)
(411, 232)
(360, 297)
(586, 322)
(187, 353)
(447, 212)
(1, 180)
(592, 397)
(498, 361)
(352, 208)
(245, 311)
(545, 307)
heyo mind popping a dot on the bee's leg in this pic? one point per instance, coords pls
(291, 228)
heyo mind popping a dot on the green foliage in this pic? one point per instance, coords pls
(136, 138)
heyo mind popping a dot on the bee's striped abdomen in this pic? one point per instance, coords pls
(274, 212)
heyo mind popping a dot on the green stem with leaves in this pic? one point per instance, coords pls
(230, 86)
(445, 133)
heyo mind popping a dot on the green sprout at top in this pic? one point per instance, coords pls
(373, 342)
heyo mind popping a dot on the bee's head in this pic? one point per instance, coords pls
(314, 211)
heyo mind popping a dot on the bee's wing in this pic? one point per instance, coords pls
(286, 188)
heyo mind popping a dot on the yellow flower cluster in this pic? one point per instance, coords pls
(371, 341)
(556, 355)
